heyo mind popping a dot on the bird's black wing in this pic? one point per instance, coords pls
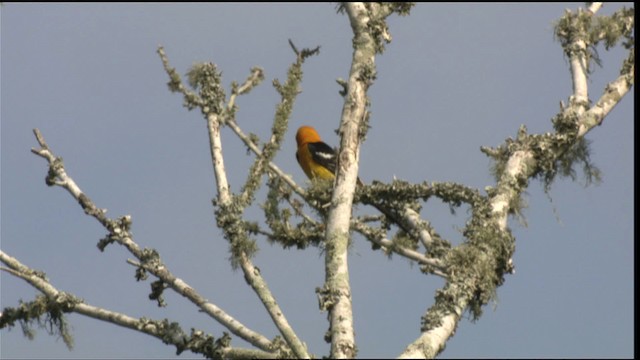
(323, 154)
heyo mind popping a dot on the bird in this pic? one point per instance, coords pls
(318, 161)
(316, 158)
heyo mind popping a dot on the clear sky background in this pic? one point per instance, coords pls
(455, 77)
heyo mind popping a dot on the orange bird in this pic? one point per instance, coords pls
(316, 158)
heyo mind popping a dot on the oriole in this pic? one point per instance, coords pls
(317, 159)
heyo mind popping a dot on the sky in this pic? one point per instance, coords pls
(455, 77)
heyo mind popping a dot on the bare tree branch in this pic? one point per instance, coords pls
(337, 284)
(380, 240)
(488, 252)
(211, 102)
(167, 332)
(613, 93)
(119, 232)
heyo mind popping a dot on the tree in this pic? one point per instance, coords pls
(472, 269)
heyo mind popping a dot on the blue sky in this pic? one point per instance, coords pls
(456, 77)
